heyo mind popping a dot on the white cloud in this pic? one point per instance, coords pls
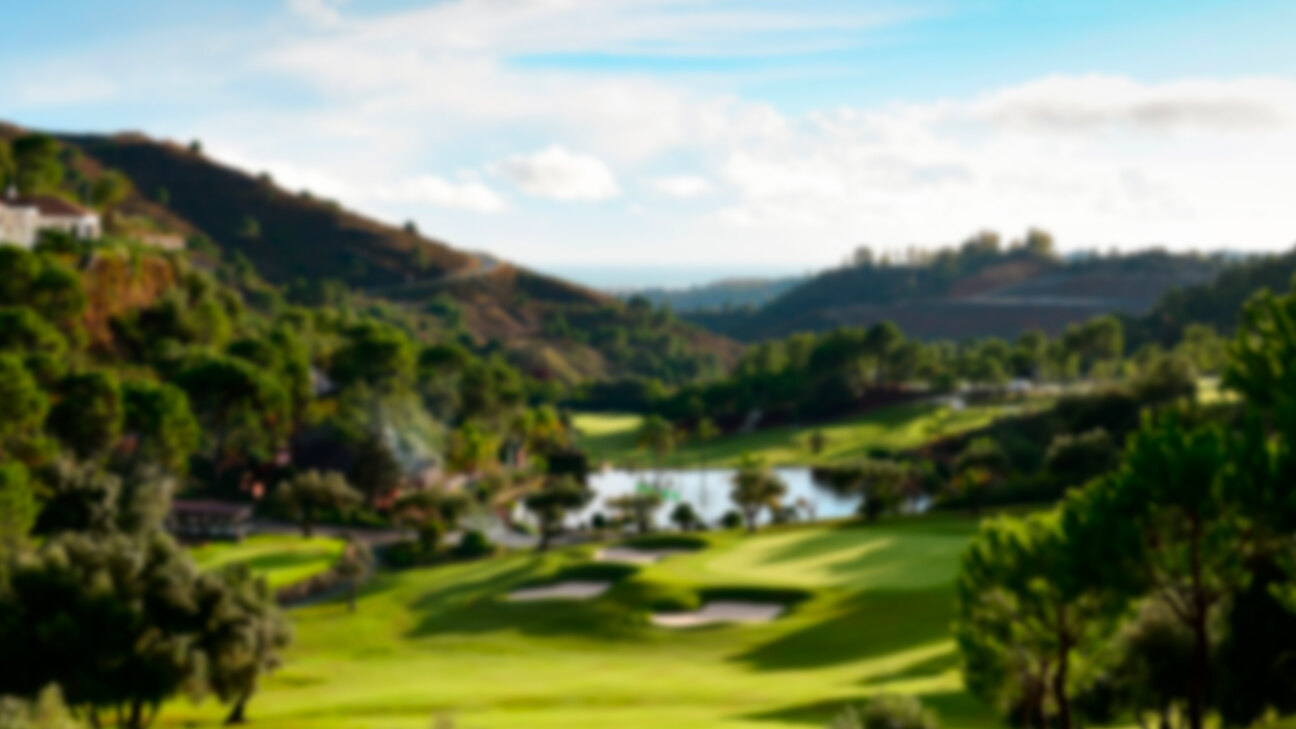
(321, 12)
(684, 186)
(557, 174)
(468, 195)
(1084, 103)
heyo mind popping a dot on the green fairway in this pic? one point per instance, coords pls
(282, 559)
(870, 612)
(610, 438)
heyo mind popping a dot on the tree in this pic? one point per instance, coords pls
(818, 441)
(704, 432)
(552, 502)
(657, 435)
(1039, 243)
(432, 512)
(159, 425)
(1152, 668)
(879, 484)
(110, 190)
(473, 449)
(1075, 459)
(375, 472)
(36, 163)
(638, 507)
(755, 488)
(1167, 378)
(43, 348)
(979, 469)
(57, 295)
(244, 411)
(684, 517)
(354, 564)
(1025, 605)
(80, 498)
(17, 512)
(88, 414)
(22, 404)
(109, 618)
(376, 355)
(308, 494)
(244, 636)
(1167, 524)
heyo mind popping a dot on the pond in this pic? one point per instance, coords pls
(707, 490)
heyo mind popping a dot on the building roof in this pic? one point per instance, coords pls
(227, 509)
(46, 205)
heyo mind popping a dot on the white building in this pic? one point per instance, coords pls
(23, 217)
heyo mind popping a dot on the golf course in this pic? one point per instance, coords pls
(611, 437)
(865, 609)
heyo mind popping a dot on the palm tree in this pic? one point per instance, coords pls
(756, 487)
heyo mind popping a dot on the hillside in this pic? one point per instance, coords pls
(965, 295)
(295, 238)
(732, 293)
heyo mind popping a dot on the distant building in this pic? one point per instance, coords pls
(24, 217)
(203, 520)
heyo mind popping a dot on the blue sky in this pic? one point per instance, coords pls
(744, 135)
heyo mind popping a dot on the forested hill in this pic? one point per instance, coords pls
(1217, 303)
(976, 290)
(315, 248)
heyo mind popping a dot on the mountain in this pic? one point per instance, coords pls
(1217, 303)
(975, 291)
(732, 293)
(298, 239)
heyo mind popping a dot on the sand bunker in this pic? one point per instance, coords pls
(720, 612)
(561, 591)
(630, 555)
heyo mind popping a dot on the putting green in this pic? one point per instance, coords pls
(444, 641)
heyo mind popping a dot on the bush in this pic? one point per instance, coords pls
(731, 520)
(473, 544)
(887, 711)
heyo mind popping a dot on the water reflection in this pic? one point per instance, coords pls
(707, 490)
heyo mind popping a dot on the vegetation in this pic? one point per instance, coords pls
(1199, 506)
(938, 294)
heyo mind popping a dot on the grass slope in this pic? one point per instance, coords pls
(611, 437)
(870, 612)
(284, 560)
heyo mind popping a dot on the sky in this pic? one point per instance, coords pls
(658, 140)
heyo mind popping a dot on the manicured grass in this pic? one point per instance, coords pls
(869, 612)
(282, 559)
(610, 438)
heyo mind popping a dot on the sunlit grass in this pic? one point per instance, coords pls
(611, 438)
(442, 641)
(283, 559)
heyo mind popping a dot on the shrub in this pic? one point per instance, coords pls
(474, 544)
(887, 711)
(731, 520)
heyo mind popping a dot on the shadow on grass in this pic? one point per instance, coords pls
(870, 624)
(481, 605)
(922, 669)
(951, 707)
(285, 560)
